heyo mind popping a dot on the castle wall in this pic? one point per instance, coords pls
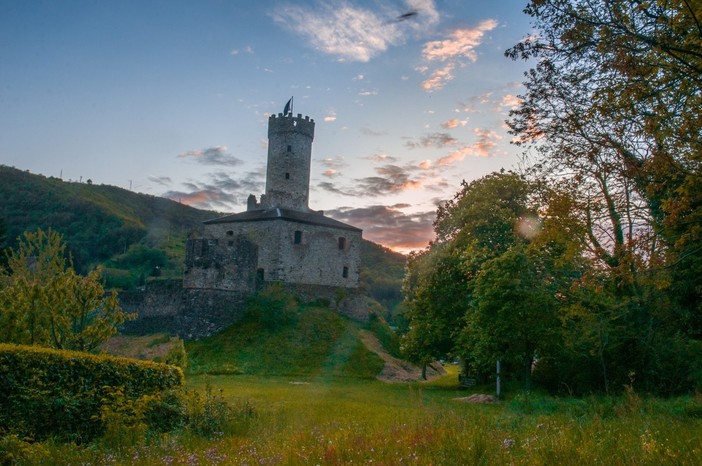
(192, 314)
(296, 252)
(165, 306)
(228, 262)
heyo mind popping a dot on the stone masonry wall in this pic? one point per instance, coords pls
(317, 258)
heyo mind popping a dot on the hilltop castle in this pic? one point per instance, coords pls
(279, 239)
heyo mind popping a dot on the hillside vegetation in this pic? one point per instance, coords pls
(280, 337)
(136, 236)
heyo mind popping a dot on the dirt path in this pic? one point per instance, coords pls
(397, 370)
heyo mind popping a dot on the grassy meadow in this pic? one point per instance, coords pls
(284, 420)
(303, 392)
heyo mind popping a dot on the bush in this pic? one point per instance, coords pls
(51, 393)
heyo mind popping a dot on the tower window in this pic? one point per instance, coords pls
(342, 243)
(298, 237)
(287, 176)
(289, 148)
(345, 272)
(230, 233)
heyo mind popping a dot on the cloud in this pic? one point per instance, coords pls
(453, 123)
(433, 140)
(331, 116)
(454, 50)
(481, 148)
(162, 180)
(439, 77)
(510, 101)
(389, 225)
(352, 32)
(370, 132)
(247, 50)
(368, 93)
(333, 165)
(219, 192)
(381, 158)
(212, 156)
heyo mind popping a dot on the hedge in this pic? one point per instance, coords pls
(57, 393)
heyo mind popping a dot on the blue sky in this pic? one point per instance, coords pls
(172, 98)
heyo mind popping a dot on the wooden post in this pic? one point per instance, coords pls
(497, 380)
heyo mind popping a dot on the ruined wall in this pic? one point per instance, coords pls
(165, 306)
(226, 263)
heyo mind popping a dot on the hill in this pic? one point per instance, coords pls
(98, 222)
(136, 236)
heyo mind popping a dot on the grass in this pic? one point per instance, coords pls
(316, 343)
(303, 392)
(322, 421)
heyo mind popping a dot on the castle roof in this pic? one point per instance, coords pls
(277, 213)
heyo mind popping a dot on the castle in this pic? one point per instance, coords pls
(277, 239)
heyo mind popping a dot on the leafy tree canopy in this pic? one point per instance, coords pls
(44, 302)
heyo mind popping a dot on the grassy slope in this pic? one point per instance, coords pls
(319, 343)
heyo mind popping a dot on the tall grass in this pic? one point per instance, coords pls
(332, 421)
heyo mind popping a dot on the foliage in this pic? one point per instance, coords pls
(317, 343)
(382, 271)
(45, 392)
(44, 302)
(272, 308)
(98, 222)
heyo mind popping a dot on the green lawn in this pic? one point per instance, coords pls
(317, 420)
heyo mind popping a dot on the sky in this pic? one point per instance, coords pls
(172, 98)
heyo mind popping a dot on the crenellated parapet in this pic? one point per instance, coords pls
(287, 123)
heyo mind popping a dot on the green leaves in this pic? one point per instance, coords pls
(44, 302)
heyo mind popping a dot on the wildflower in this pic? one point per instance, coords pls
(507, 443)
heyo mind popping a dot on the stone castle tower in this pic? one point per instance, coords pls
(289, 158)
(279, 238)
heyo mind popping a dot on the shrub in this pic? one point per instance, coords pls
(51, 393)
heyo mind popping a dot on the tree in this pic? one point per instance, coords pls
(479, 223)
(616, 99)
(514, 315)
(44, 302)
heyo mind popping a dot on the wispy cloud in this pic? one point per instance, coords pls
(247, 50)
(456, 49)
(453, 123)
(437, 140)
(219, 192)
(389, 225)
(161, 180)
(217, 155)
(481, 148)
(352, 32)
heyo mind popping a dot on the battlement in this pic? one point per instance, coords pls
(287, 123)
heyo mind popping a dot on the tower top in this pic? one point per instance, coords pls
(287, 123)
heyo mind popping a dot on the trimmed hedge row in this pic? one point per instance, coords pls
(56, 393)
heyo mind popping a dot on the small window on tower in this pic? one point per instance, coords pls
(289, 148)
(298, 237)
(230, 233)
(342, 243)
(287, 176)
(345, 272)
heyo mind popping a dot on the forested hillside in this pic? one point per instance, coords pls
(136, 236)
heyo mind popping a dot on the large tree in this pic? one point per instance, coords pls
(615, 101)
(44, 302)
